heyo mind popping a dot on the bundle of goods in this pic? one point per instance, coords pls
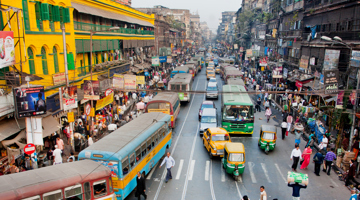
(298, 178)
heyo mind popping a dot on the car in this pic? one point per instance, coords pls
(210, 74)
(212, 90)
(214, 140)
(208, 119)
(205, 104)
(212, 80)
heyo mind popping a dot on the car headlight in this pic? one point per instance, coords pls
(250, 127)
(225, 126)
(200, 113)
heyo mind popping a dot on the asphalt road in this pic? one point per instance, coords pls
(196, 176)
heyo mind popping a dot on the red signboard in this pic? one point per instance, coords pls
(29, 149)
(87, 109)
(298, 84)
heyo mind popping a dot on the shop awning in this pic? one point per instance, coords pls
(110, 15)
(50, 125)
(8, 127)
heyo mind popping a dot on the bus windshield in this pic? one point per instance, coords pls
(238, 113)
(220, 137)
(156, 106)
(208, 119)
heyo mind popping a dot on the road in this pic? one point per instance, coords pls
(196, 176)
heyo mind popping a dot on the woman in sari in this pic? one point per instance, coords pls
(306, 157)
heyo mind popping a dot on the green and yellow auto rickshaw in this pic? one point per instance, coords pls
(267, 140)
(234, 159)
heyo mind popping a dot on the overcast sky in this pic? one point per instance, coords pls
(209, 10)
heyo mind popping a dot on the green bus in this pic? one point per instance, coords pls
(182, 84)
(237, 110)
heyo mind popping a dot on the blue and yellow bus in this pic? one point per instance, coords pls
(135, 147)
(179, 70)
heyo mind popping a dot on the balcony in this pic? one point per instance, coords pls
(295, 6)
(81, 26)
(290, 34)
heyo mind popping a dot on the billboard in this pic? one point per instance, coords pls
(7, 51)
(118, 81)
(69, 97)
(30, 101)
(91, 90)
(155, 61)
(331, 78)
(140, 79)
(104, 101)
(130, 82)
(59, 78)
(331, 59)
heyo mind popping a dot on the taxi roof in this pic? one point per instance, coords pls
(269, 128)
(235, 147)
(217, 130)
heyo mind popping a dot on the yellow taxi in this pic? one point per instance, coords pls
(214, 140)
(210, 74)
(217, 70)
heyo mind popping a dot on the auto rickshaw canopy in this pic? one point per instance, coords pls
(268, 128)
(235, 147)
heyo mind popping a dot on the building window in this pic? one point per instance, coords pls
(26, 14)
(39, 22)
(44, 61)
(51, 17)
(56, 62)
(31, 61)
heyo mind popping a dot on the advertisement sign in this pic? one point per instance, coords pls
(140, 80)
(34, 131)
(59, 78)
(352, 97)
(118, 81)
(285, 72)
(112, 165)
(70, 116)
(105, 84)
(104, 101)
(298, 84)
(162, 59)
(355, 59)
(312, 61)
(249, 52)
(91, 90)
(277, 72)
(331, 59)
(263, 62)
(331, 78)
(236, 46)
(339, 100)
(87, 109)
(92, 112)
(30, 101)
(304, 62)
(118, 69)
(69, 97)
(155, 61)
(130, 82)
(169, 59)
(7, 51)
(321, 78)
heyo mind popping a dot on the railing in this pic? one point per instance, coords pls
(81, 26)
(291, 33)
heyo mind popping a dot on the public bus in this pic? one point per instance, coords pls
(135, 147)
(179, 70)
(192, 69)
(198, 60)
(182, 83)
(223, 67)
(202, 56)
(197, 67)
(74, 180)
(231, 72)
(165, 102)
(226, 61)
(237, 110)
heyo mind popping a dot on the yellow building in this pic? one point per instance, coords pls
(39, 42)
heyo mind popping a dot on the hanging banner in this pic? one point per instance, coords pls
(339, 101)
(34, 131)
(331, 59)
(298, 84)
(7, 51)
(59, 78)
(155, 61)
(70, 116)
(140, 80)
(69, 97)
(118, 81)
(91, 90)
(104, 101)
(130, 82)
(304, 62)
(352, 97)
(169, 59)
(331, 78)
(162, 59)
(355, 59)
(263, 62)
(321, 78)
(30, 101)
(277, 72)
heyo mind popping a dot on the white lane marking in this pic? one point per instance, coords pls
(265, 172)
(179, 170)
(176, 142)
(222, 172)
(207, 168)
(333, 182)
(152, 171)
(191, 172)
(282, 176)
(238, 190)
(211, 183)
(252, 175)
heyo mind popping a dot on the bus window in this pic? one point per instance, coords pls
(138, 154)
(177, 87)
(148, 143)
(183, 88)
(99, 188)
(37, 197)
(125, 165)
(143, 149)
(73, 192)
(154, 140)
(87, 191)
(54, 195)
(132, 160)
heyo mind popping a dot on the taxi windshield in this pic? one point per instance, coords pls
(268, 136)
(236, 157)
(221, 137)
(210, 72)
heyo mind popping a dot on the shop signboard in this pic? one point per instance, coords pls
(118, 81)
(104, 101)
(339, 101)
(169, 59)
(285, 72)
(155, 61)
(249, 52)
(30, 101)
(140, 80)
(130, 82)
(355, 59)
(304, 62)
(59, 78)
(312, 61)
(162, 59)
(263, 62)
(236, 46)
(7, 50)
(331, 78)
(331, 59)
(118, 70)
(69, 97)
(71, 117)
(91, 90)
(277, 72)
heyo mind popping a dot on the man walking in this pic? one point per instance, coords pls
(170, 162)
(263, 195)
(283, 129)
(296, 190)
(329, 158)
(140, 188)
(57, 155)
(351, 174)
(318, 159)
(354, 196)
(295, 157)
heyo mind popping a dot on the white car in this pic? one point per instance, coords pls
(212, 90)
(212, 80)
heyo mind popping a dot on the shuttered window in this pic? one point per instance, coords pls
(44, 61)
(66, 15)
(45, 11)
(26, 14)
(56, 13)
(56, 62)
(31, 61)
(38, 16)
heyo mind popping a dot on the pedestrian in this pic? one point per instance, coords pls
(354, 196)
(283, 128)
(351, 173)
(170, 162)
(60, 143)
(71, 157)
(267, 104)
(140, 186)
(289, 120)
(258, 103)
(245, 197)
(117, 98)
(268, 114)
(57, 155)
(121, 97)
(263, 195)
(295, 157)
(306, 157)
(90, 141)
(318, 160)
(296, 190)
(329, 158)
(324, 143)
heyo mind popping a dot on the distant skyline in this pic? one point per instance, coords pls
(209, 10)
